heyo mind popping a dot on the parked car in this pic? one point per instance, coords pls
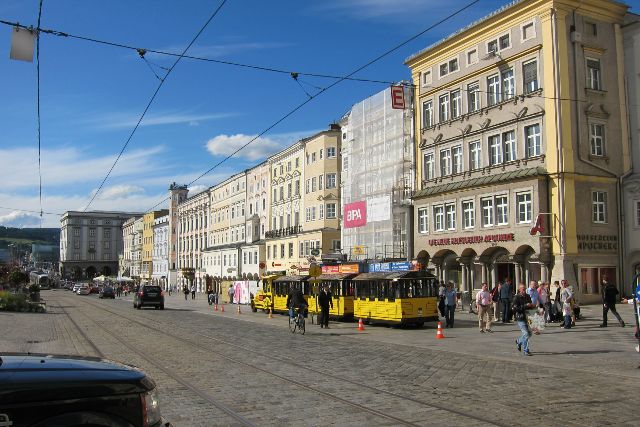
(46, 390)
(84, 290)
(148, 295)
(107, 292)
(76, 287)
(94, 289)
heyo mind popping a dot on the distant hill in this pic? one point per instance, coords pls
(26, 236)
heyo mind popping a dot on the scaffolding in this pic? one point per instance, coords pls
(377, 167)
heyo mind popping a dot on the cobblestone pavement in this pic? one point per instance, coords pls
(210, 366)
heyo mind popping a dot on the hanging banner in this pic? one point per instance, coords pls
(355, 214)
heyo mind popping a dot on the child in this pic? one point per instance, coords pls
(567, 312)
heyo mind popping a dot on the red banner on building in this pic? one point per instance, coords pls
(355, 214)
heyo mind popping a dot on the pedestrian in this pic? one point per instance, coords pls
(609, 296)
(566, 312)
(532, 291)
(169, 289)
(521, 303)
(505, 300)
(545, 302)
(325, 300)
(495, 300)
(185, 291)
(483, 304)
(556, 306)
(231, 292)
(451, 300)
(441, 303)
(566, 293)
(193, 291)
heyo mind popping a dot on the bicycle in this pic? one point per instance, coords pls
(297, 322)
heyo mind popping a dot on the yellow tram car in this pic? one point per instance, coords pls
(263, 299)
(342, 291)
(401, 297)
(275, 290)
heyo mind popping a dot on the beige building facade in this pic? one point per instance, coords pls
(520, 143)
(192, 236)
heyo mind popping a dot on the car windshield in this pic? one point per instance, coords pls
(152, 289)
(107, 290)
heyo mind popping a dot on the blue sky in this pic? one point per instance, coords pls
(92, 95)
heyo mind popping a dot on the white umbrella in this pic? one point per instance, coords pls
(125, 279)
(100, 278)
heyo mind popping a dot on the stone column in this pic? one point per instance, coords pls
(518, 277)
(494, 274)
(485, 272)
(544, 273)
(463, 285)
(472, 276)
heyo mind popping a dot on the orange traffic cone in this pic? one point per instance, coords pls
(222, 308)
(439, 334)
(215, 307)
(239, 312)
(360, 325)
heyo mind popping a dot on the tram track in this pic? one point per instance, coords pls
(289, 361)
(230, 412)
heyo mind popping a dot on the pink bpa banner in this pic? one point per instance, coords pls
(355, 214)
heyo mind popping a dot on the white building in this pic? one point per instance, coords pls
(160, 256)
(192, 236)
(253, 252)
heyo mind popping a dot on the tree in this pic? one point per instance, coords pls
(18, 277)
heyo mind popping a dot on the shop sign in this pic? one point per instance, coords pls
(349, 268)
(397, 98)
(330, 269)
(358, 250)
(392, 266)
(597, 242)
(355, 214)
(469, 240)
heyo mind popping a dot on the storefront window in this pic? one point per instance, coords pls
(591, 278)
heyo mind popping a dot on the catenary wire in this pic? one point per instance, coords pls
(31, 211)
(312, 97)
(153, 97)
(38, 108)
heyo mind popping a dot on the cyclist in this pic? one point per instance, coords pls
(295, 300)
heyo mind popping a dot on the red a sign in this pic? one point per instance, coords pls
(397, 98)
(538, 227)
(355, 214)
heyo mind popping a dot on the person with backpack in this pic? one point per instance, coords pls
(609, 296)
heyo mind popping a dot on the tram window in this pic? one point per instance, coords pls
(314, 288)
(349, 289)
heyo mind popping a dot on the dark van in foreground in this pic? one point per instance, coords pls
(45, 390)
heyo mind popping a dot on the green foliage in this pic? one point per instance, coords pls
(17, 277)
(18, 302)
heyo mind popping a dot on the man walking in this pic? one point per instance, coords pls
(230, 293)
(325, 300)
(505, 300)
(193, 291)
(451, 301)
(483, 303)
(521, 303)
(441, 303)
(609, 296)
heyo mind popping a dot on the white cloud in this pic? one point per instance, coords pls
(259, 149)
(196, 189)
(129, 120)
(119, 191)
(20, 219)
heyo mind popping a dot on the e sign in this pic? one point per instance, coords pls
(397, 98)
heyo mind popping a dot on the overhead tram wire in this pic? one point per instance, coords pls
(31, 211)
(153, 97)
(323, 90)
(38, 107)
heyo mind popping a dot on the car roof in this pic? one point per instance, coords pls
(43, 377)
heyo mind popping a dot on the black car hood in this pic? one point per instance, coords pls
(31, 378)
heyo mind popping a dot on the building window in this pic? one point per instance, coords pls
(456, 154)
(445, 162)
(438, 218)
(591, 278)
(107, 244)
(301, 254)
(505, 41)
(313, 157)
(591, 28)
(523, 207)
(321, 211)
(594, 79)
(456, 104)
(473, 97)
(307, 186)
(423, 220)
(426, 78)
(508, 84)
(468, 214)
(331, 210)
(313, 184)
(297, 192)
(599, 207)
(487, 211)
(492, 46)
(282, 250)
(596, 132)
(92, 232)
(528, 31)
(530, 76)
(495, 150)
(427, 114)
(449, 67)
(475, 155)
(533, 144)
(107, 233)
(450, 216)
(502, 210)
(288, 191)
(472, 56)
(331, 152)
(290, 250)
(509, 142)
(444, 107)
(308, 214)
(76, 232)
(321, 182)
(331, 180)
(493, 90)
(429, 166)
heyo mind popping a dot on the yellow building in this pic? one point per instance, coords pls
(520, 143)
(147, 243)
(305, 203)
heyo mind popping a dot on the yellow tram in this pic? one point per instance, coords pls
(281, 288)
(400, 297)
(342, 290)
(263, 299)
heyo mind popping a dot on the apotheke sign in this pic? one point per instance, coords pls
(468, 240)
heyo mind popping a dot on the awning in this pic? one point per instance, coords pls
(337, 276)
(291, 278)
